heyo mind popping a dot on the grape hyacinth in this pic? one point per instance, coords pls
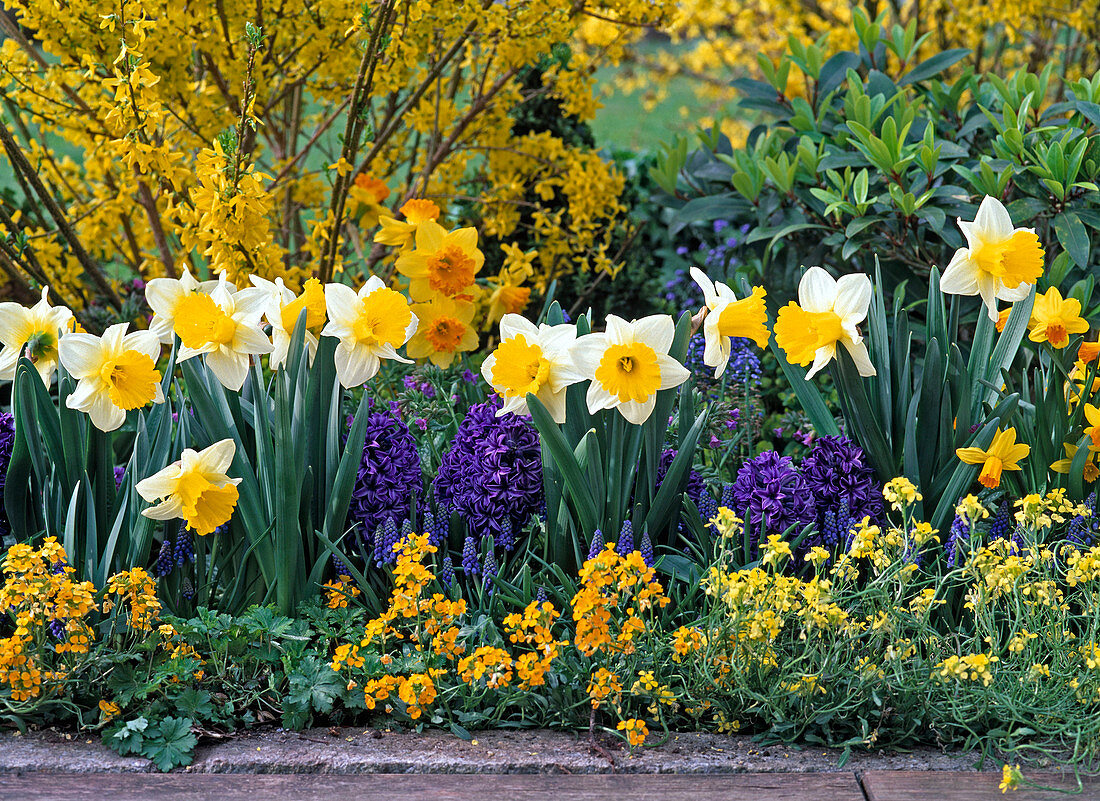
(492, 472)
(166, 559)
(626, 539)
(597, 544)
(469, 557)
(389, 476)
(1083, 530)
(184, 549)
(647, 549)
(489, 568)
(770, 490)
(447, 572)
(956, 538)
(1000, 527)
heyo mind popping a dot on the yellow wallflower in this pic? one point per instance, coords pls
(1004, 453)
(444, 331)
(828, 313)
(1053, 319)
(196, 488)
(370, 324)
(729, 317)
(115, 373)
(999, 262)
(532, 360)
(628, 365)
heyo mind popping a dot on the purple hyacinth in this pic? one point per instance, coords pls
(388, 477)
(7, 441)
(120, 472)
(492, 471)
(770, 491)
(694, 486)
(626, 539)
(837, 475)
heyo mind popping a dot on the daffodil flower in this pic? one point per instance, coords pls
(444, 330)
(282, 311)
(442, 263)
(371, 325)
(999, 262)
(1090, 472)
(1004, 453)
(628, 364)
(532, 360)
(196, 488)
(729, 317)
(1092, 415)
(35, 332)
(1053, 319)
(225, 327)
(164, 296)
(1089, 351)
(115, 373)
(828, 313)
(402, 233)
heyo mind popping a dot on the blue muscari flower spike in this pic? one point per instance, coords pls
(626, 539)
(540, 595)
(378, 542)
(447, 573)
(647, 549)
(406, 528)
(1001, 525)
(469, 557)
(1083, 529)
(185, 547)
(166, 560)
(597, 544)
(443, 525)
(489, 567)
(427, 526)
(187, 589)
(727, 498)
(959, 535)
(507, 538)
(339, 567)
(57, 628)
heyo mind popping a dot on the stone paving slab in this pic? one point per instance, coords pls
(184, 787)
(360, 750)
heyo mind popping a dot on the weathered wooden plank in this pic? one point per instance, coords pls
(314, 787)
(949, 786)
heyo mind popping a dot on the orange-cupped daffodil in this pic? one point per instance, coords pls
(1004, 453)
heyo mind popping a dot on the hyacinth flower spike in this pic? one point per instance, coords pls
(532, 360)
(115, 373)
(729, 317)
(1004, 453)
(370, 324)
(828, 313)
(999, 262)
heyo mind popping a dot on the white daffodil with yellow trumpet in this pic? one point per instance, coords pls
(196, 488)
(532, 360)
(827, 314)
(728, 317)
(32, 332)
(115, 373)
(371, 325)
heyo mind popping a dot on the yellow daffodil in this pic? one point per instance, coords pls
(33, 332)
(1092, 415)
(828, 313)
(1004, 453)
(370, 325)
(506, 298)
(444, 331)
(225, 327)
(532, 360)
(1089, 351)
(628, 364)
(115, 373)
(728, 317)
(196, 488)
(367, 194)
(443, 263)
(164, 295)
(402, 234)
(1090, 471)
(999, 262)
(1053, 319)
(1078, 379)
(282, 311)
